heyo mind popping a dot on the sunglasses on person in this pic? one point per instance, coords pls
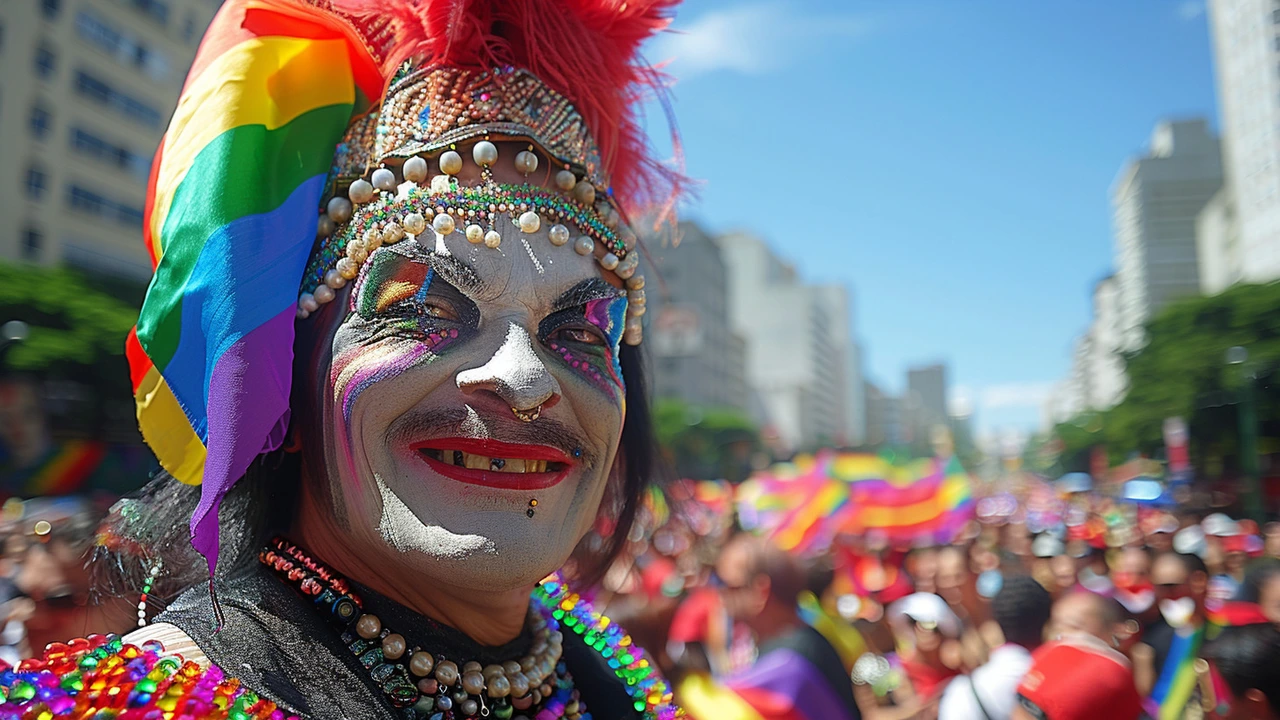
(1032, 709)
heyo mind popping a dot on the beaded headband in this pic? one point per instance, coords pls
(426, 116)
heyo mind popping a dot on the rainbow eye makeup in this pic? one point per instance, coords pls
(403, 296)
(587, 336)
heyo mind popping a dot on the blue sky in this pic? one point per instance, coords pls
(949, 160)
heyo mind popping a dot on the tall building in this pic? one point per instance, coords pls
(884, 417)
(847, 364)
(88, 88)
(927, 398)
(1155, 202)
(693, 352)
(798, 345)
(1103, 365)
(1247, 60)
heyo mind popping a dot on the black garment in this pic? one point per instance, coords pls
(811, 645)
(1159, 635)
(275, 642)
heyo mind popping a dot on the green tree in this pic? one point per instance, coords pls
(705, 442)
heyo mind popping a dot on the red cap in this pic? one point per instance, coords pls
(1080, 678)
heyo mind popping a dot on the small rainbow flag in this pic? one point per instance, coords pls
(230, 222)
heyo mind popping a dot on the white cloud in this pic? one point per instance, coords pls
(1189, 10)
(749, 39)
(1015, 395)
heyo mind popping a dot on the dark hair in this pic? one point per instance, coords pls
(151, 525)
(1022, 608)
(1256, 578)
(787, 579)
(1248, 658)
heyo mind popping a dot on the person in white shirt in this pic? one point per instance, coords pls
(990, 692)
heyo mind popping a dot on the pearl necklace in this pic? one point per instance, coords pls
(422, 683)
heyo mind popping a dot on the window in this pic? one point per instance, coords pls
(126, 49)
(41, 122)
(107, 152)
(37, 182)
(103, 94)
(157, 9)
(46, 61)
(91, 203)
(50, 8)
(32, 241)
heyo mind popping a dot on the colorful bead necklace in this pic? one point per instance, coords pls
(433, 687)
(102, 677)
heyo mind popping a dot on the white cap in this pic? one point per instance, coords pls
(1189, 541)
(924, 608)
(1047, 546)
(1220, 525)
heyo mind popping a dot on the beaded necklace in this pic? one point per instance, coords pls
(426, 686)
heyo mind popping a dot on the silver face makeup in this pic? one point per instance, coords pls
(415, 392)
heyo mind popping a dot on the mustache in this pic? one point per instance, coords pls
(465, 421)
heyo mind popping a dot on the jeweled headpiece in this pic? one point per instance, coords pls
(365, 111)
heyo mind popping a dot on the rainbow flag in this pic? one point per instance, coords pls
(64, 470)
(1177, 680)
(230, 222)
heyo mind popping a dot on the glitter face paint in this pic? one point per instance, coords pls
(439, 340)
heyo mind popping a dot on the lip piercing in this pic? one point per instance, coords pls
(533, 503)
(527, 415)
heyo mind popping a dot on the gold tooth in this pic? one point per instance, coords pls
(475, 462)
(539, 466)
(514, 465)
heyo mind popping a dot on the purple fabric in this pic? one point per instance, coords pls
(789, 674)
(253, 373)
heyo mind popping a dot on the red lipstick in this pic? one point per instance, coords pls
(437, 452)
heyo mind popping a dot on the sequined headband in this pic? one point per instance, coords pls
(426, 117)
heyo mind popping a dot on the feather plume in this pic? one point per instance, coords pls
(587, 50)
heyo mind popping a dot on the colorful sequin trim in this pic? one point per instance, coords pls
(649, 691)
(103, 677)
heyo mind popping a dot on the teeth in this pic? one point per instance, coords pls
(507, 465)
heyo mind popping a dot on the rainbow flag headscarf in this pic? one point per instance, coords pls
(231, 216)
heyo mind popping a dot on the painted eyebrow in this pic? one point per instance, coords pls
(456, 272)
(583, 293)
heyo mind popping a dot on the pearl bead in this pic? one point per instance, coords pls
(444, 224)
(360, 191)
(584, 245)
(325, 226)
(440, 184)
(484, 153)
(368, 626)
(608, 261)
(357, 252)
(415, 169)
(558, 234)
(530, 222)
(520, 702)
(636, 310)
(469, 708)
(526, 162)
(429, 686)
(471, 666)
(492, 239)
(384, 179)
(447, 672)
(334, 279)
(323, 294)
(450, 162)
(421, 663)
(565, 180)
(302, 314)
(585, 193)
(499, 687)
(635, 282)
(473, 683)
(633, 336)
(475, 234)
(339, 210)
(393, 646)
(414, 223)
(510, 667)
(519, 684)
(347, 268)
(393, 233)
(635, 297)
(444, 703)
(633, 324)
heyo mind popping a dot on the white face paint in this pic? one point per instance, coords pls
(422, 449)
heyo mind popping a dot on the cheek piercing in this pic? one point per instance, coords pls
(532, 504)
(577, 452)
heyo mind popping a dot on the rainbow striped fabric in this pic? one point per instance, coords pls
(230, 222)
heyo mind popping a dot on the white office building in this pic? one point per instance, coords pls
(1244, 233)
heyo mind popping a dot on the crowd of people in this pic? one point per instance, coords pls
(1110, 612)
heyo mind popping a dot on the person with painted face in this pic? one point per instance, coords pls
(389, 364)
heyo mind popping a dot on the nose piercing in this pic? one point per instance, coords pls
(527, 415)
